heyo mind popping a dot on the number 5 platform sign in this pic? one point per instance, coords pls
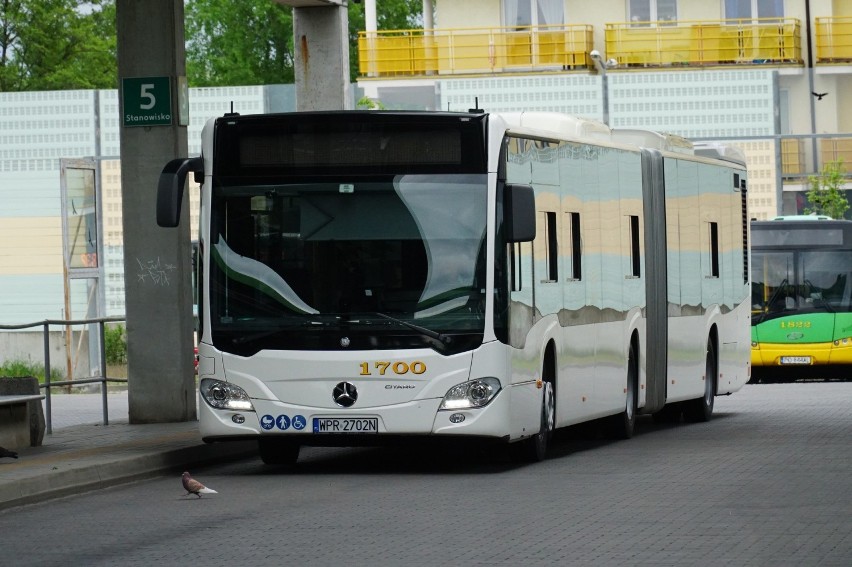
(147, 101)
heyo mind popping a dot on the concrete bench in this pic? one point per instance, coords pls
(21, 413)
(15, 417)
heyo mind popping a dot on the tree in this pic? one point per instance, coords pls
(57, 44)
(251, 42)
(825, 194)
(367, 103)
(11, 21)
(71, 44)
(229, 43)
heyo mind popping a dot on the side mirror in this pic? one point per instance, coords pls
(170, 189)
(519, 213)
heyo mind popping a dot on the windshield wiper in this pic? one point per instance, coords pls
(446, 339)
(775, 295)
(822, 301)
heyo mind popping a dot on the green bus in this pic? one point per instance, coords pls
(801, 323)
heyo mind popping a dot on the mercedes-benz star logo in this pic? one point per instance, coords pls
(345, 394)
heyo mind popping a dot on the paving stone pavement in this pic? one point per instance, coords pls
(766, 483)
(87, 409)
(84, 454)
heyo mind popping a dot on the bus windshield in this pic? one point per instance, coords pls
(801, 280)
(367, 263)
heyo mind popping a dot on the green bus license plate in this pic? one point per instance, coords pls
(346, 425)
(795, 360)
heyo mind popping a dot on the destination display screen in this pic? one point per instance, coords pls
(804, 236)
(323, 148)
(350, 142)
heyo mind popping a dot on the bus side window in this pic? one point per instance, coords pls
(714, 250)
(575, 255)
(514, 257)
(635, 256)
(551, 253)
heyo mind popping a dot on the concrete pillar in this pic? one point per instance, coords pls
(428, 20)
(157, 261)
(371, 25)
(429, 26)
(322, 58)
(371, 22)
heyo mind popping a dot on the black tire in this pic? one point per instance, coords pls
(701, 409)
(622, 425)
(278, 451)
(534, 449)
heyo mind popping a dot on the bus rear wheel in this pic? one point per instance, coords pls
(622, 425)
(701, 409)
(278, 451)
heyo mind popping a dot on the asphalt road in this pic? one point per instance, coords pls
(767, 482)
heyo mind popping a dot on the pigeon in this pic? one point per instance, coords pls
(7, 453)
(192, 486)
(819, 95)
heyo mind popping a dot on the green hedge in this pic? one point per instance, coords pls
(115, 339)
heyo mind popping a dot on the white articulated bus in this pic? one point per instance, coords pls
(371, 277)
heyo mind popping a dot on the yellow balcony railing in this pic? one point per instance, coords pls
(836, 149)
(704, 43)
(473, 50)
(834, 40)
(792, 156)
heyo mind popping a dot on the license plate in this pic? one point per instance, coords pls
(346, 425)
(795, 360)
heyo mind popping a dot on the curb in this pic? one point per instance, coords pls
(95, 476)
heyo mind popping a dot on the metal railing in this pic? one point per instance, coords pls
(834, 40)
(653, 44)
(703, 43)
(829, 148)
(418, 52)
(48, 383)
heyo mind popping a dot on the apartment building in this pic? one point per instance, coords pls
(770, 76)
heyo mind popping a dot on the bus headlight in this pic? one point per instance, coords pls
(222, 395)
(473, 394)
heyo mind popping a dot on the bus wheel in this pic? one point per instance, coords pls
(534, 449)
(700, 409)
(621, 426)
(278, 451)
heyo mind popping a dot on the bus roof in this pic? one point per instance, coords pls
(560, 124)
(801, 217)
(659, 140)
(720, 151)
